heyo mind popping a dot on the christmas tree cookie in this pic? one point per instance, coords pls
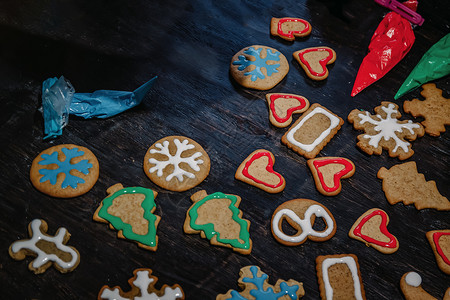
(130, 212)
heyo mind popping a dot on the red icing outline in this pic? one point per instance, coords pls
(436, 237)
(323, 62)
(348, 167)
(290, 110)
(357, 231)
(290, 34)
(269, 168)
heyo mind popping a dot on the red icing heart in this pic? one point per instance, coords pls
(436, 237)
(348, 167)
(290, 111)
(383, 228)
(269, 168)
(290, 34)
(323, 62)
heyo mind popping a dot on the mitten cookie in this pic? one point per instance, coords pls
(371, 229)
(339, 277)
(385, 131)
(130, 212)
(312, 131)
(259, 67)
(328, 171)
(435, 109)
(142, 287)
(64, 171)
(314, 61)
(403, 183)
(257, 170)
(301, 215)
(217, 217)
(440, 244)
(176, 163)
(283, 106)
(254, 284)
(289, 28)
(48, 250)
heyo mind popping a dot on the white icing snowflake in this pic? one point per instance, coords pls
(142, 282)
(175, 160)
(387, 128)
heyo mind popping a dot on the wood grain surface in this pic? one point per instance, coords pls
(119, 45)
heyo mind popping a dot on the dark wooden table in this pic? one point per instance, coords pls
(188, 44)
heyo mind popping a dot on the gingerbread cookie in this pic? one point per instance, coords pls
(411, 286)
(257, 170)
(371, 229)
(176, 163)
(339, 277)
(435, 109)
(385, 131)
(289, 28)
(130, 212)
(142, 287)
(283, 106)
(259, 67)
(254, 284)
(314, 61)
(217, 217)
(328, 171)
(64, 171)
(312, 131)
(301, 215)
(440, 244)
(48, 250)
(403, 183)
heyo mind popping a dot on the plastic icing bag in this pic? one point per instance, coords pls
(107, 103)
(57, 95)
(434, 64)
(391, 41)
(59, 100)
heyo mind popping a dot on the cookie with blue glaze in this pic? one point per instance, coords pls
(259, 67)
(64, 171)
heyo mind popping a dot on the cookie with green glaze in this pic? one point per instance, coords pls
(130, 212)
(217, 218)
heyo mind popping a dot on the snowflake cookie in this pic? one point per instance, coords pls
(64, 171)
(130, 212)
(217, 217)
(176, 163)
(385, 131)
(48, 250)
(435, 109)
(254, 284)
(142, 287)
(259, 67)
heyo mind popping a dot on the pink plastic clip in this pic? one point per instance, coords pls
(402, 10)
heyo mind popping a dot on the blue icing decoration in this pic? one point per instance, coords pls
(260, 294)
(259, 63)
(64, 167)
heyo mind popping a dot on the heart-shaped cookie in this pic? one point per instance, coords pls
(440, 244)
(371, 229)
(282, 106)
(257, 170)
(314, 61)
(328, 171)
(289, 28)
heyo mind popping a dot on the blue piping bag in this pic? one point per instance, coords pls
(59, 100)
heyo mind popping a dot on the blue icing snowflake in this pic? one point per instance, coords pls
(259, 63)
(64, 167)
(260, 294)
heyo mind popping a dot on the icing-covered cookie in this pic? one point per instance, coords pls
(289, 28)
(282, 106)
(314, 61)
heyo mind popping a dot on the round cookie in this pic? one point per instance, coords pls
(259, 67)
(176, 163)
(301, 215)
(64, 171)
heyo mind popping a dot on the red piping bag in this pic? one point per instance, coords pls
(391, 41)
